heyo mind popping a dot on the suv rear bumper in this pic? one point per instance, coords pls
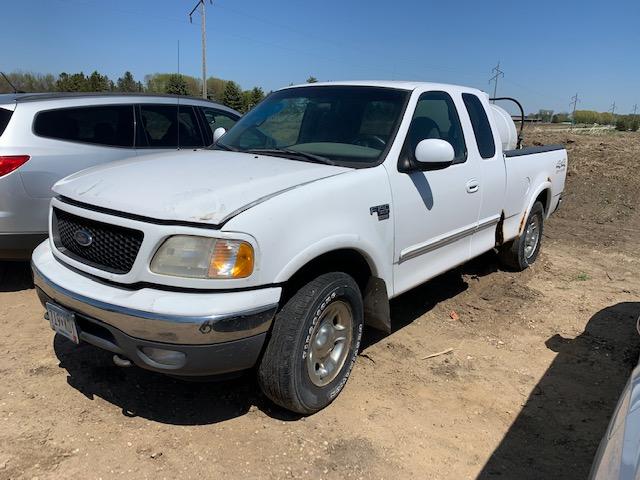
(202, 343)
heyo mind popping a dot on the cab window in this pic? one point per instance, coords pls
(436, 117)
(480, 124)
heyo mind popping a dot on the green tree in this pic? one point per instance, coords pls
(159, 82)
(257, 95)
(28, 82)
(76, 82)
(97, 83)
(560, 118)
(127, 83)
(312, 79)
(215, 88)
(176, 85)
(232, 96)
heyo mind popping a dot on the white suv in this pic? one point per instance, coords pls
(45, 137)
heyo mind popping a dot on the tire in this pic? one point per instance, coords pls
(519, 253)
(293, 372)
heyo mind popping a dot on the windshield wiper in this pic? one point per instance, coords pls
(309, 157)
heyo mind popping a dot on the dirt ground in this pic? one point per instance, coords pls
(539, 359)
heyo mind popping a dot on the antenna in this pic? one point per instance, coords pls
(203, 27)
(178, 105)
(15, 90)
(498, 73)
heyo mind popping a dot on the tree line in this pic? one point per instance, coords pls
(227, 92)
(590, 117)
(621, 122)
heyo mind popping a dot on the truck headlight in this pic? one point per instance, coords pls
(203, 257)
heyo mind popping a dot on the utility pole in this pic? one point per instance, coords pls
(497, 74)
(203, 25)
(574, 102)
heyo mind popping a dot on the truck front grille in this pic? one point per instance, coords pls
(108, 247)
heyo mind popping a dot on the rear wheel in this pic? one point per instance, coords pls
(522, 251)
(314, 344)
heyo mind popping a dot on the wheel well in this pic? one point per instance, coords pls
(544, 197)
(349, 261)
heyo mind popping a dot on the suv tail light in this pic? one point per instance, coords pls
(8, 163)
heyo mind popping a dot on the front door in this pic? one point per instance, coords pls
(435, 212)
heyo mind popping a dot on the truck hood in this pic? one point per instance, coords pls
(205, 186)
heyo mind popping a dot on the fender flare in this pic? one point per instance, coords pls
(347, 241)
(546, 185)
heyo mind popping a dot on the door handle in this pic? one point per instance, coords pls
(473, 186)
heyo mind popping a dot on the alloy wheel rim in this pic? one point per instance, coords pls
(531, 236)
(330, 343)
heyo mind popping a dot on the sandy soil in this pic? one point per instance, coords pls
(539, 359)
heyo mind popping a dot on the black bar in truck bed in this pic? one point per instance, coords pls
(530, 150)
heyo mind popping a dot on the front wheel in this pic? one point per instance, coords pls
(314, 344)
(521, 252)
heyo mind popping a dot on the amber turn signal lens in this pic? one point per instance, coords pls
(231, 259)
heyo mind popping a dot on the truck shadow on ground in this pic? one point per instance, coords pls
(560, 426)
(15, 276)
(160, 398)
(416, 302)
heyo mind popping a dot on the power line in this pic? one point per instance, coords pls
(203, 25)
(574, 102)
(498, 73)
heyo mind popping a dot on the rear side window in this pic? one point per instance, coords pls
(480, 123)
(108, 125)
(168, 126)
(5, 116)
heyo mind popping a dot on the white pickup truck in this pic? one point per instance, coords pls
(274, 248)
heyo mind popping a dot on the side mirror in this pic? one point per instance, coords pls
(217, 133)
(433, 154)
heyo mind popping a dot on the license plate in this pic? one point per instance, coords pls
(63, 322)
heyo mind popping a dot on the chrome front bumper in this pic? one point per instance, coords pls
(187, 330)
(161, 316)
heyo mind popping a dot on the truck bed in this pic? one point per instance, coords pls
(542, 168)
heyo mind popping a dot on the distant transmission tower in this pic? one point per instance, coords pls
(613, 113)
(203, 26)
(635, 109)
(497, 74)
(574, 102)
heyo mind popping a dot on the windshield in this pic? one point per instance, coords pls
(346, 125)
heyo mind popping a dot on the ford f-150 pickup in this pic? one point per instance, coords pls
(276, 246)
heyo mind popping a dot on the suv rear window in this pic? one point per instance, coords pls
(109, 125)
(5, 116)
(168, 126)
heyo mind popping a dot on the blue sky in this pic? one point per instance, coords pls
(549, 50)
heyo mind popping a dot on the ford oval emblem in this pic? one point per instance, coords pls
(83, 238)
